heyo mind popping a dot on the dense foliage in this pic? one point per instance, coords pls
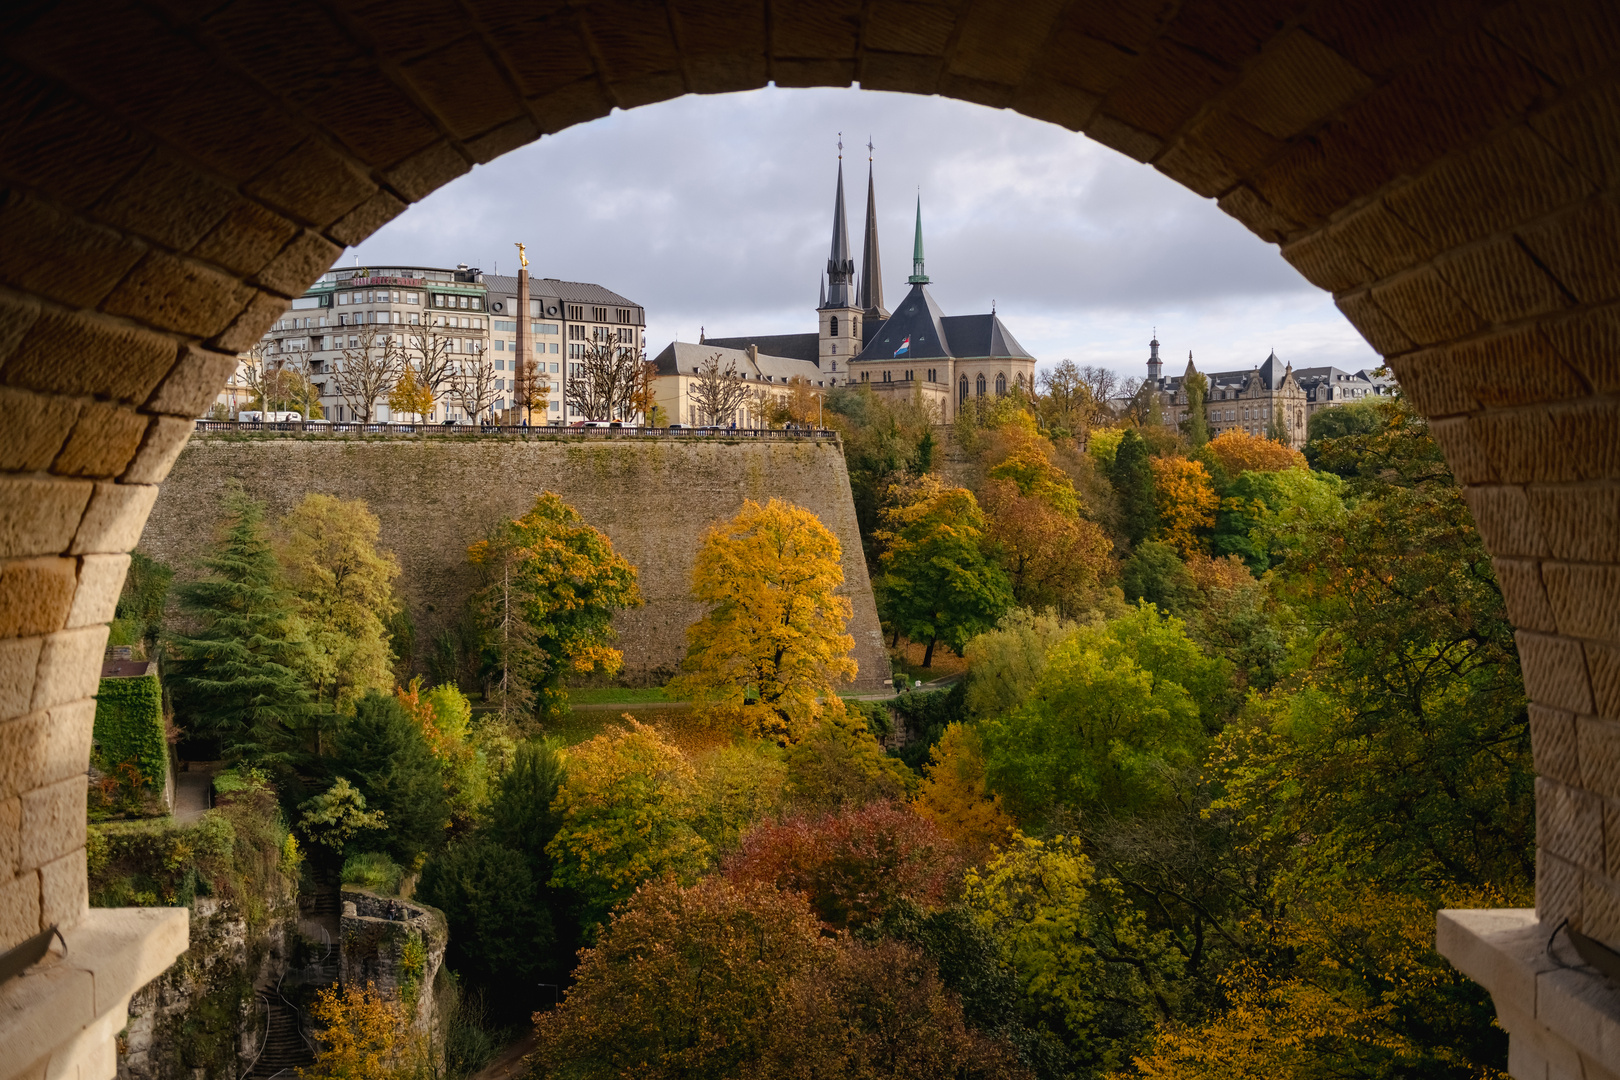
(129, 727)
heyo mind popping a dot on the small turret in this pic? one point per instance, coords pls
(1155, 365)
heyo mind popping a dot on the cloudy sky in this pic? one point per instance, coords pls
(715, 212)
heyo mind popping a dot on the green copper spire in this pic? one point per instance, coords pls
(918, 275)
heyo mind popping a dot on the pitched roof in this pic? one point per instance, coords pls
(935, 335)
(794, 346)
(578, 292)
(1271, 372)
(685, 357)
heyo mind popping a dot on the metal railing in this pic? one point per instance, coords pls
(348, 429)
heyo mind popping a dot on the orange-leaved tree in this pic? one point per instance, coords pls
(551, 585)
(773, 648)
(410, 396)
(955, 796)
(1052, 557)
(1186, 500)
(363, 1036)
(1240, 452)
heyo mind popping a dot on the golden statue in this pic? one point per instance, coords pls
(522, 258)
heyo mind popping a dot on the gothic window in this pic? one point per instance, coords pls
(1001, 384)
(962, 390)
(834, 331)
(981, 386)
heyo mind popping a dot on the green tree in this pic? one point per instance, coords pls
(937, 582)
(885, 441)
(342, 589)
(236, 678)
(1156, 574)
(1196, 425)
(624, 817)
(1132, 477)
(383, 751)
(338, 815)
(551, 585)
(1363, 417)
(500, 928)
(1006, 663)
(840, 764)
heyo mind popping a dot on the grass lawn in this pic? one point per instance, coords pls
(909, 656)
(617, 695)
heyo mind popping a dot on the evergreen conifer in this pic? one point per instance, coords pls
(1132, 477)
(236, 678)
(1197, 423)
(383, 753)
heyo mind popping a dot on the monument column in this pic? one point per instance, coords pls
(523, 381)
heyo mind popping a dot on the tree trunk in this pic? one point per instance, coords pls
(896, 642)
(928, 657)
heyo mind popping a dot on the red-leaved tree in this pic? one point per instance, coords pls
(852, 865)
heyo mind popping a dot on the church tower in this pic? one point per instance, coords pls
(871, 290)
(840, 312)
(1155, 365)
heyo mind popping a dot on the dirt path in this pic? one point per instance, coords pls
(508, 1065)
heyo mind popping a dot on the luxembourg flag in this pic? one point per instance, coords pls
(905, 347)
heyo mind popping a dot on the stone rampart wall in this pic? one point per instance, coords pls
(435, 495)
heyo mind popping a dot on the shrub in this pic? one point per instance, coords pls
(373, 870)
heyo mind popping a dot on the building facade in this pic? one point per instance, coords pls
(469, 316)
(916, 350)
(1251, 401)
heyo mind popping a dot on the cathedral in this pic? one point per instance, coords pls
(916, 350)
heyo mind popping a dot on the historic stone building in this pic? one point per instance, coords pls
(1250, 401)
(917, 350)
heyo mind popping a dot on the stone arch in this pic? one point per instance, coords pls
(172, 174)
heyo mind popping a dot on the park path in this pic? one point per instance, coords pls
(191, 790)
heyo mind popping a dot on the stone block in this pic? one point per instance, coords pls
(35, 595)
(39, 516)
(366, 218)
(315, 183)
(1133, 142)
(53, 821)
(114, 518)
(1383, 242)
(463, 87)
(86, 260)
(64, 891)
(103, 441)
(569, 104)
(1505, 521)
(503, 139)
(1580, 523)
(1597, 741)
(1603, 664)
(34, 431)
(1295, 82)
(1373, 323)
(19, 909)
(17, 314)
(247, 239)
(1427, 310)
(165, 437)
(1327, 261)
(250, 326)
(1581, 127)
(1577, 248)
(1592, 430)
(1523, 446)
(101, 578)
(647, 89)
(1525, 594)
(299, 264)
(1558, 890)
(68, 735)
(166, 200)
(1049, 99)
(1500, 281)
(1585, 598)
(10, 837)
(1469, 461)
(19, 663)
(428, 170)
(196, 380)
(69, 666)
(1261, 218)
(85, 354)
(1589, 342)
(1554, 671)
(179, 294)
(1555, 744)
(1569, 823)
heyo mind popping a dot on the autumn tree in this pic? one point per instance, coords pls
(410, 397)
(624, 815)
(387, 757)
(644, 398)
(682, 983)
(368, 369)
(956, 797)
(362, 1036)
(428, 360)
(773, 647)
(1065, 404)
(937, 581)
(551, 585)
(475, 384)
(887, 439)
(852, 865)
(839, 764)
(1052, 559)
(1239, 452)
(718, 392)
(1006, 662)
(1186, 501)
(342, 587)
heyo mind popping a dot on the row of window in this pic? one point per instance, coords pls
(501, 345)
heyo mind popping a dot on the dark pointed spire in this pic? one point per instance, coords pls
(870, 296)
(823, 278)
(840, 267)
(919, 276)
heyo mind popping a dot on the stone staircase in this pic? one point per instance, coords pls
(284, 1046)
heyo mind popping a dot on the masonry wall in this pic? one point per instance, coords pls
(436, 495)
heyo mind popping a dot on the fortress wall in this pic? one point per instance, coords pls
(436, 495)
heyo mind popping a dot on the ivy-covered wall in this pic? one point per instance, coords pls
(129, 726)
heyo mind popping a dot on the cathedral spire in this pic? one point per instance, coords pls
(870, 298)
(840, 267)
(919, 276)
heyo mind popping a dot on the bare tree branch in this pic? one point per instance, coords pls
(602, 384)
(718, 393)
(369, 369)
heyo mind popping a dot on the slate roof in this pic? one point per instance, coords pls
(935, 335)
(793, 346)
(575, 292)
(684, 357)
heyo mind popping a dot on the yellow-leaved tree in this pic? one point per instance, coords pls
(343, 589)
(1239, 452)
(410, 397)
(1186, 500)
(955, 796)
(773, 647)
(363, 1036)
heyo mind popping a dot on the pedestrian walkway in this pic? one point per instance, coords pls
(193, 791)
